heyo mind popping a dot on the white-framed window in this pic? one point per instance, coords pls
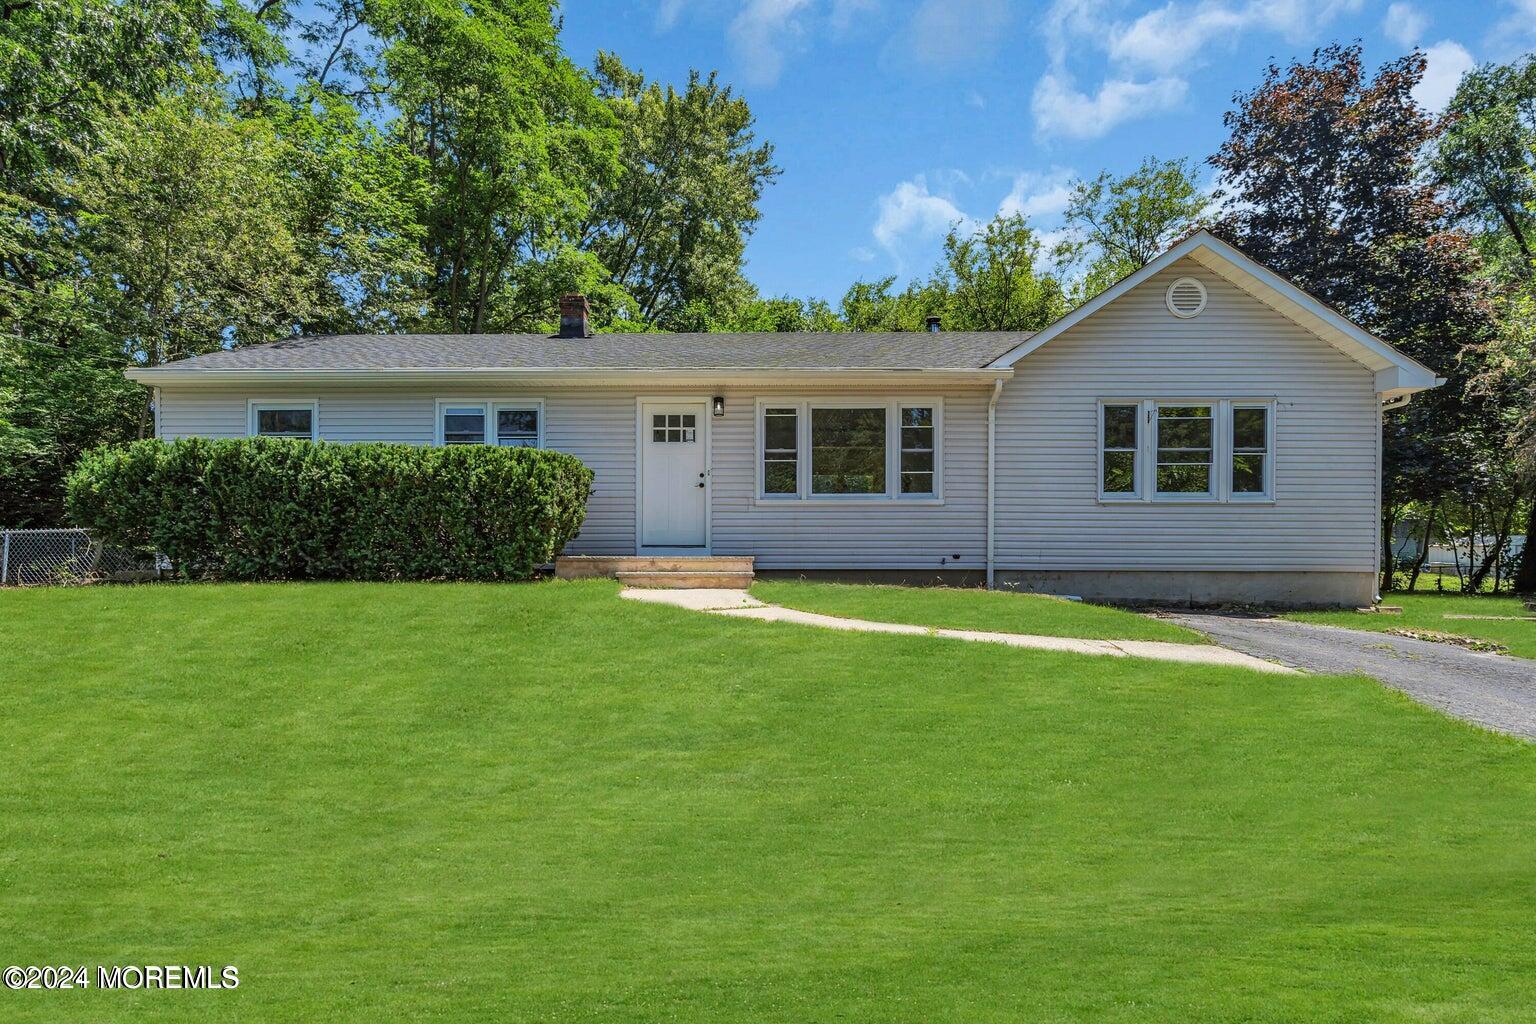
(1119, 450)
(1186, 449)
(1252, 445)
(285, 417)
(510, 424)
(839, 450)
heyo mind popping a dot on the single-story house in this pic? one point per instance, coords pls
(1204, 430)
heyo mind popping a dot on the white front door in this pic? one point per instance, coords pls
(673, 486)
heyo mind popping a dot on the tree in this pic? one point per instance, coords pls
(991, 280)
(1119, 225)
(1324, 168)
(184, 239)
(873, 306)
(353, 203)
(1487, 156)
(70, 70)
(1508, 377)
(672, 227)
(514, 142)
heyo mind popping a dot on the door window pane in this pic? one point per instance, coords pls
(917, 450)
(848, 451)
(464, 425)
(781, 450)
(1184, 435)
(517, 428)
(1119, 445)
(674, 428)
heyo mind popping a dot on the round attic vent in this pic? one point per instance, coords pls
(1186, 297)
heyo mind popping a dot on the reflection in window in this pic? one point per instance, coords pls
(1120, 443)
(781, 450)
(917, 450)
(1250, 448)
(848, 451)
(1184, 449)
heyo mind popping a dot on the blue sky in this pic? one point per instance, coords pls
(893, 118)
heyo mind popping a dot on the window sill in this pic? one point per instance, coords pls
(1198, 500)
(822, 503)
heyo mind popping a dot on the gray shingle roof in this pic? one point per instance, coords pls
(949, 350)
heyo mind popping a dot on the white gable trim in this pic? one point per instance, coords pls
(1396, 374)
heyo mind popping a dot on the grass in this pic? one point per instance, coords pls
(1429, 611)
(465, 803)
(993, 611)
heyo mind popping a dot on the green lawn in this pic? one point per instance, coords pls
(954, 608)
(542, 803)
(1429, 611)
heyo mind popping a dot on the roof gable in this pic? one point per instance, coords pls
(1396, 373)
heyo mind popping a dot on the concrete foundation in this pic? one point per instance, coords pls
(892, 577)
(1193, 589)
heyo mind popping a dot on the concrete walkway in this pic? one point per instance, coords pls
(738, 604)
(1492, 690)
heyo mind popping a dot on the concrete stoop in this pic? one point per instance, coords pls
(670, 572)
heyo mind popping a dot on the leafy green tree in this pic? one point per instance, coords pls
(353, 203)
(1119, 225)
(1487, 156)
(875, 306)
(672, 227)
(184, 234)
(514, 141)
(991, 281)
(1324, 167)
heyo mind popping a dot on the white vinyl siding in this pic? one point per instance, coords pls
(1322, 434)
(598, 427)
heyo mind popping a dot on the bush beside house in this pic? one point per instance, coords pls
(265, 509)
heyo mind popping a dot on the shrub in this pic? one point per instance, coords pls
(266, 509)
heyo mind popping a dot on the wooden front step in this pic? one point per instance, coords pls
(696, 579)
(632, 568)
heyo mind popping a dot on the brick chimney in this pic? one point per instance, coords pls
(574, 313)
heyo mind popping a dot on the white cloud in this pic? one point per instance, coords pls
(975, 100)
(765, 33)
(1446, 62)
(1060, 109)
(844, 11)
(1170, 37)
(910, 212)
(947, 32)
(1038, 196)
(1404, 24)
(862, 253)
(667, 12)
(1512, 33)
(762, 34)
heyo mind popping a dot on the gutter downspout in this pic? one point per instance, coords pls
(997, 392)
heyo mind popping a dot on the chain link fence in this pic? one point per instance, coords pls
(61, 557)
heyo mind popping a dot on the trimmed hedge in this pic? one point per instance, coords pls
(278, 509)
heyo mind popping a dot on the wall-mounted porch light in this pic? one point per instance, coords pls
(717, 405)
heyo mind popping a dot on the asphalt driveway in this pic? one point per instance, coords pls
(1489, 689)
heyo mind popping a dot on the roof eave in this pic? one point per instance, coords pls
(552, 376)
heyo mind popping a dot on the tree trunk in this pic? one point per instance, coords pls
(1492, 554)
(1423, 556)
(1388, 555)
(1525, 579)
